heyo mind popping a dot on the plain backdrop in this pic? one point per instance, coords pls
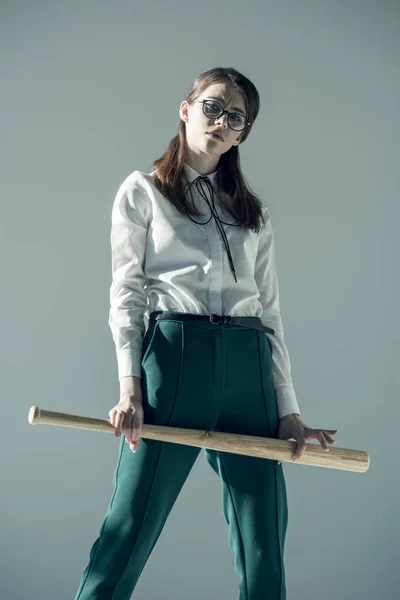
(90, 91)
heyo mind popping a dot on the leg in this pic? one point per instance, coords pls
(253, 489)
(176, 392)
(146, 486)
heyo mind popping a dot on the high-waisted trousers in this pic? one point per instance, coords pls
(211, 377)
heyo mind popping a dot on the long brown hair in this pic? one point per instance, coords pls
(242, 204)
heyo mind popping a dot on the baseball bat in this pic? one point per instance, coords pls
(249, 445)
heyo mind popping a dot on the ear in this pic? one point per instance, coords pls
(184, 110)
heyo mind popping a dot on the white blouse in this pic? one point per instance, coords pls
(161, 260)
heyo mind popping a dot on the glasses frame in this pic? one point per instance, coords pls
(223, 111)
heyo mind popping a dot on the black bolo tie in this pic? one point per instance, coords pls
(198, 181)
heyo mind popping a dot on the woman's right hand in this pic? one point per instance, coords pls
(127, 417)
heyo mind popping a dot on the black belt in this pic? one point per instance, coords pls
(251, 322)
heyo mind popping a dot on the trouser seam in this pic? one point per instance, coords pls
(275, 465)
(143, 519)
(237, 523)
(156, 467)
(105, 522)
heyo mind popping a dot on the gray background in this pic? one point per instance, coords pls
(90, 92)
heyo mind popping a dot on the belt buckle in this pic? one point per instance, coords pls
(218, 319)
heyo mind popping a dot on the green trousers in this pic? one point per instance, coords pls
(215, 377)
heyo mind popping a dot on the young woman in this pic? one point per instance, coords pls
(199, 341)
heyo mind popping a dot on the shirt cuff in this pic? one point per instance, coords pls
(129, 362)
(286, 400)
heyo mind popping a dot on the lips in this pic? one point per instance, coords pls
(214, 133)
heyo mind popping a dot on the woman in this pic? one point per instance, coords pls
(199, 340)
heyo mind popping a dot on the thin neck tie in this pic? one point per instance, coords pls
(198, 183)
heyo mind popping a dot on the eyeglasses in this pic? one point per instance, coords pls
(213, 110)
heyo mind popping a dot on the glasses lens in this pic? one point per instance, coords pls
(237, 121)
(213, 110)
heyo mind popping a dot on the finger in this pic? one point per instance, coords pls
(112, 414)
(119, 419)
(127, 430)
(301, 446)
(135, 440)
(332, 431)
(136, 430)
(314, 433)
(322, 440)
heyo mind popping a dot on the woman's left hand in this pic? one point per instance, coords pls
(293, 426)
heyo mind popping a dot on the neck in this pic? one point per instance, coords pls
(204, 164)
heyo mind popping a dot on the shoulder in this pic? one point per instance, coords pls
(134, 181)
(139, 181)
(132, 197)
(266, 213)
(265, 210)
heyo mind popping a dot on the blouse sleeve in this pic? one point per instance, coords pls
(267, 282)
(129, 224)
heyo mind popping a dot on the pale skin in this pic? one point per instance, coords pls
(203, 155)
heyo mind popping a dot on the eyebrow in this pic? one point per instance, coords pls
(236, 108)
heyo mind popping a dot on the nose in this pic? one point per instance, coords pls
(223, 119)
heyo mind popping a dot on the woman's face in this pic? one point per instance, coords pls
(198, 124)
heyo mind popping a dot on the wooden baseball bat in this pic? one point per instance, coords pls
(261, 447)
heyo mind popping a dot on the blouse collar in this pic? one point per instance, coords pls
(192, 174)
